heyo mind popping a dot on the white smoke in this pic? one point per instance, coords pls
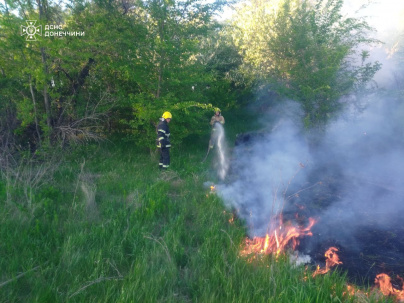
(363, 155)
(367, 152)
(262, 173)
(359, 159)
(387, 19)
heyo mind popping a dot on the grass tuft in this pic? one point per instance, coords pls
(111, 227)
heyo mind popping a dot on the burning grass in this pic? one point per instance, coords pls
(284, 239)
(167, 242)
(384, 287)
(286, 235)
(153, 239)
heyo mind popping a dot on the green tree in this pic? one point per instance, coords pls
(175, 75)
(18, 81)
(306, 52)
(37, 94)
(136, 60)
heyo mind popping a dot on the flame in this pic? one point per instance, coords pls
(231, 219)
(212, 190)
(383, 287)
(277, 240)
(382, 281)
(387, 289)
(360, 295)
(332, 259)
(351, 290)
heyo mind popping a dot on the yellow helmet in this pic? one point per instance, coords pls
(167, 115)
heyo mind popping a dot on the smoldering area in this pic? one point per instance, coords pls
(348, 177)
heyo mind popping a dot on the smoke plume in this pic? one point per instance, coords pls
(262, 171)
(350, 177)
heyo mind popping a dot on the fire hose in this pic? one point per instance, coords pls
(209, 147)
(207, 153)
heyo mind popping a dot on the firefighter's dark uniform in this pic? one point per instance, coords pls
(163, 143)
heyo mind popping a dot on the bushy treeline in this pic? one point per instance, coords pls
(306, 50)
(100, 224)
(132, 61)
(135, 59)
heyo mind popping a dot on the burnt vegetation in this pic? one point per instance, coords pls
(313, 134)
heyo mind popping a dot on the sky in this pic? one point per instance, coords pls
(387, 19)
(387, 16)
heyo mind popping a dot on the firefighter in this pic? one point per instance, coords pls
(217, 118)
(163, 140)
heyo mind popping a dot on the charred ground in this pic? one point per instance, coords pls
(355, 210)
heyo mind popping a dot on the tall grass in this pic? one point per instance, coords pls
(110, 227)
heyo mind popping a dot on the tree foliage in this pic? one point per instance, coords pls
(306, 51)
(136, 60)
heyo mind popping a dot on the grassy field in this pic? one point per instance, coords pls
(106, 226)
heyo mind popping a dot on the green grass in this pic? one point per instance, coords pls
(110, 227)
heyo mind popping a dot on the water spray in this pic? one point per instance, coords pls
(222, 161)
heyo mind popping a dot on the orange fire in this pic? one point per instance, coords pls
(382, 281)
(277, 240)
(383, 287)
(286, 236)
(332, 259)
(231, 218)
(360, 295)
(386, 288)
